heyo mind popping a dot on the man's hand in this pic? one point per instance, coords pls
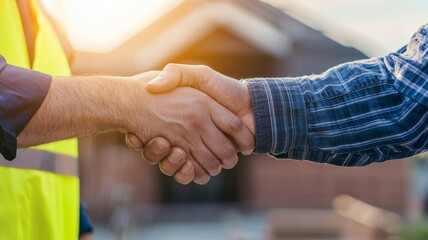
(172, 162)
(227, 91)
(187, 118)
(192, 121)
(232, 94)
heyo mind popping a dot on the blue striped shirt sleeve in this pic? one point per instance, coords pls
(351, 115)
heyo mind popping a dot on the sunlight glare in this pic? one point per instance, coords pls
(102, 25)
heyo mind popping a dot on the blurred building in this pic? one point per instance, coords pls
(243, 39)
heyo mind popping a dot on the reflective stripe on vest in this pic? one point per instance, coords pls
(43, 161)
(39, 191)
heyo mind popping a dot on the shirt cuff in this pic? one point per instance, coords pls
(22, 92)
(279, 115)
(85, 224)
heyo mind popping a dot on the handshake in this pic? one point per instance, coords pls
(192, 133)
(190, 119)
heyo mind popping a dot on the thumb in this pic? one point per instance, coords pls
(166, 81)
(179, 75)
(223, 89)
(161, 85)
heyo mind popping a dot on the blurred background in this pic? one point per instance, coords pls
(262, 198)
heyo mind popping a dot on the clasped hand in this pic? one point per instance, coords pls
(193, 134)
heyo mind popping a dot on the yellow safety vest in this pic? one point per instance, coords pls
(39, 190)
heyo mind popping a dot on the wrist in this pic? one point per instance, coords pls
(135, 107)
(131, 105)
(97, 103)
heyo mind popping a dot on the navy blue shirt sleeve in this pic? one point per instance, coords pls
(85, 224)
(22, 92)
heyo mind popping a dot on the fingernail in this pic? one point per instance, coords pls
(174, 158)
(249, 152)
(129, 144)
(157, 81)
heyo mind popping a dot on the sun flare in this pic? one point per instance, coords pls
(102, 25)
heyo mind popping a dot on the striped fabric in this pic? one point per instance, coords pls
(352, 115)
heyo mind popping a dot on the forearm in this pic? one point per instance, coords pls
(78, 106)
(353, 114)
(365, 123)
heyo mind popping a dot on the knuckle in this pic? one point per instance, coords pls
(235, 123)
(228, 151)
(196, 120)
(205, 73)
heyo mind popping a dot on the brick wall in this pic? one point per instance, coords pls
(267, 182)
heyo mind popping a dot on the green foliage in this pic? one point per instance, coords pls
(415, 231)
